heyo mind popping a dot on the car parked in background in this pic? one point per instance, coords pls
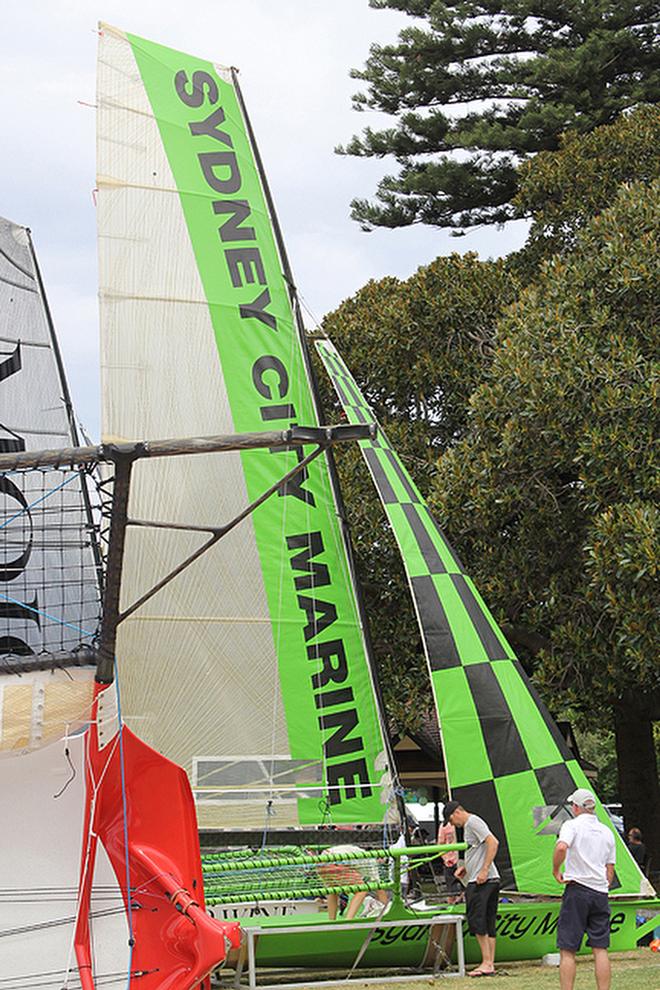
(615, 811)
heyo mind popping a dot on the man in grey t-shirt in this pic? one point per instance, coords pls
(483, 881)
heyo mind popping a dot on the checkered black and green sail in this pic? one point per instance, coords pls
(505, 759)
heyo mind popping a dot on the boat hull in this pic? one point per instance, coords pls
(525, 931)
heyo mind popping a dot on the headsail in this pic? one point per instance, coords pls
(250, 669)
(504, 756)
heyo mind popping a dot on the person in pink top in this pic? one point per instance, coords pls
(447, 836)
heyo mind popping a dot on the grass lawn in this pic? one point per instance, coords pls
(639, 970)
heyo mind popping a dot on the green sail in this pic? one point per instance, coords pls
(324, 673)
(505, 759)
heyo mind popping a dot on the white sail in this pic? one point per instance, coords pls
(184, 656)
(49, 612)
(203, 662)
(49, 595)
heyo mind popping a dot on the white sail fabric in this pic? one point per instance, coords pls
(41, 812)
(197, 663)
(49, 612)
(49, 597)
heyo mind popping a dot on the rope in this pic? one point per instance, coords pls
(71, 766)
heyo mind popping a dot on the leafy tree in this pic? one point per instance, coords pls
(551, 495)
(598, 746)
(477, 86)
(564, 189)
(419, 348)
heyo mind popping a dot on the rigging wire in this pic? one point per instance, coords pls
(71, 766)
(57, 922)
(55, 978)
(46, 615)
(129, 898)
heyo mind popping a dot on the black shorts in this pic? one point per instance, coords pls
(583, 910)
(481, 907)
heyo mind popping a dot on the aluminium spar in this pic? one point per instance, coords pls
(250, 670)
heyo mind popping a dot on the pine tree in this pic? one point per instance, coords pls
(477, 86)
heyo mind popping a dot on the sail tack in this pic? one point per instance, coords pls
(250, 669)
(505, 759)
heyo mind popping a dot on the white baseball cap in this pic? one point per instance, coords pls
(583, 798)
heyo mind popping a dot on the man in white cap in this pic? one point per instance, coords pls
(586, 847)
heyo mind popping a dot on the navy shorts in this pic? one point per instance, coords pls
(583, 910)
(481, 907)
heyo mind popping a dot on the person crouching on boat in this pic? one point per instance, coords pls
(349, 874)
(483, 881)
(586, 848)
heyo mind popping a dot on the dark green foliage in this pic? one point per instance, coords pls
(563, 190)
(497, 82)
(546, 421)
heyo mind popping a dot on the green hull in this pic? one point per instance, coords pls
(525, 931)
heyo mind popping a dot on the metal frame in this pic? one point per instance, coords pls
(297, 436)
(252, 931)
(124, 455)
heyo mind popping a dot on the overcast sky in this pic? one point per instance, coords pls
(294, 58)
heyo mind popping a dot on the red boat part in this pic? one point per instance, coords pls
(140, 807)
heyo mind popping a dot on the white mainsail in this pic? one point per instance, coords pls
(203, 663)
(161, 378)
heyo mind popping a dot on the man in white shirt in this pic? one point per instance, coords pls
(586, 847)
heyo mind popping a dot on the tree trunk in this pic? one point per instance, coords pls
(639, 787)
